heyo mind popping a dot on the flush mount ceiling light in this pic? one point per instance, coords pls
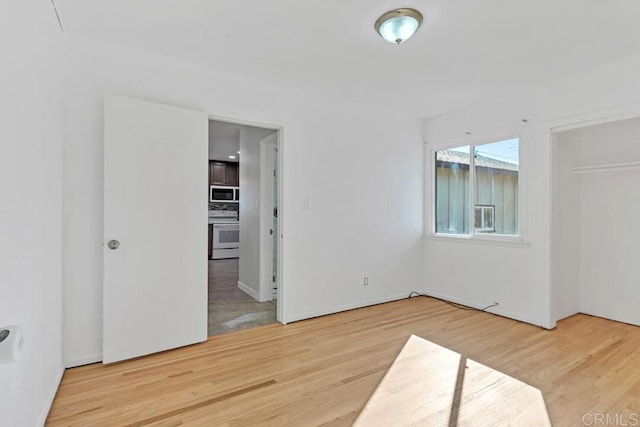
(397, 26)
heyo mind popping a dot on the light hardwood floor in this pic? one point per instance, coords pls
(324, 370)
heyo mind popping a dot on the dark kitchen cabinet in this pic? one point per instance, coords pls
(224, 173)
(217, 173)
(233, 177)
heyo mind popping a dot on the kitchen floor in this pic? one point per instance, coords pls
(230, 309)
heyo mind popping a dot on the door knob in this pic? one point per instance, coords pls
(270, 231)
(113, 244)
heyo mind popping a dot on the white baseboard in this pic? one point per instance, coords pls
(50, 397)
(494, 310)
(91, 358)
(338, 309)
(247, 290)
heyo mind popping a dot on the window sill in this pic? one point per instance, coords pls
(512, 242)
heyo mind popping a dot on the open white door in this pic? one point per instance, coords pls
(155, 212)
(268, 218)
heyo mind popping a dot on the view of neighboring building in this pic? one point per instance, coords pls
(495, 194)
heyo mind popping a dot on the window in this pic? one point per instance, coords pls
(485, 216)
(487, 182)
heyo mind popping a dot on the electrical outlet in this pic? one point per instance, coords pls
(365, 281)
(496, 303)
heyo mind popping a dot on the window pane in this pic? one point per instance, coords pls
(452, 191)
(488, 219)
(496, 187)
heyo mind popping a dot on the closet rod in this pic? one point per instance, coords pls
(613, 167)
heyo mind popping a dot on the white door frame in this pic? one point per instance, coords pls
(281, 166)
(551, 127)
(266, 216)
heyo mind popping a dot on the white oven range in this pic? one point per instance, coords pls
(226, 234)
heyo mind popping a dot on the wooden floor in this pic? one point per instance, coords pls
(323, 371)
(430, 385)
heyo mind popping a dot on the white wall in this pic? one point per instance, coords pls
(566, 219)
(361, 170)
(31, 209)
(604, 221)
(520, 277)
(250, 211)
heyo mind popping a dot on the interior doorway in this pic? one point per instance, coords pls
(237, 233)
(595, 220)
(269, 276)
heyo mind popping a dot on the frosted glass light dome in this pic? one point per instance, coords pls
(397, 26)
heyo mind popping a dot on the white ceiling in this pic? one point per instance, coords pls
(224, 141)
(466, 50)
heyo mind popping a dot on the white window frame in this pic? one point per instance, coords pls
(482, 209)
(473, 237)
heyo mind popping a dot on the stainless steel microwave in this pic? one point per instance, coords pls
(220, 194)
